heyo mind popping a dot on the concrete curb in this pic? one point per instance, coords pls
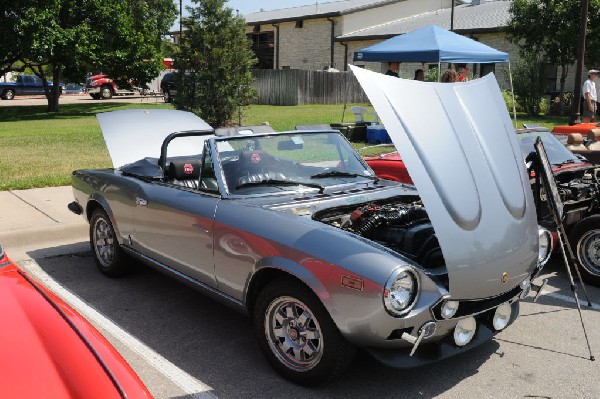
(43, 241)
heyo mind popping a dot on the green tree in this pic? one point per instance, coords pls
(529, 82)
(217, 56)
(545, 27)
(12, 12)
(123, 38)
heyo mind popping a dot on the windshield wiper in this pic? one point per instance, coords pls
(338, 173)
(566, 162)
(275, 182)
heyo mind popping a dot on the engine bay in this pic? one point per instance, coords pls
(402, 227)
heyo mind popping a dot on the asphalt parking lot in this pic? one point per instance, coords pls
(184, 345)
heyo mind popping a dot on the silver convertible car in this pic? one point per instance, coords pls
(295, 230)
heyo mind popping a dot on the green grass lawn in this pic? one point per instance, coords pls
(41, 149)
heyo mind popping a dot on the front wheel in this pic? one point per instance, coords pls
(167, 96)
(9, 94)
(109, 257)
(297, 335)
(585, 241)
(106, 92)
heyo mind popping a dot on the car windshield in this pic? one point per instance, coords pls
(558, 154)
(289, 162)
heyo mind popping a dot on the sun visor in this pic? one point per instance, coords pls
(461, 151)
(135, 134)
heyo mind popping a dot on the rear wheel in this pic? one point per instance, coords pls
(9, 94)
(167, 95)
(109, 257)
(297, 335)
(585, 242)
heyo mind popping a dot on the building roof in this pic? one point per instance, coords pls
(488, 16)
(318, 10)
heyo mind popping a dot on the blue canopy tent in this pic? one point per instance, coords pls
(433, 44)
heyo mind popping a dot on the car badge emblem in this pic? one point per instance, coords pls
(188, 169)
(255, 158)
(505, 277)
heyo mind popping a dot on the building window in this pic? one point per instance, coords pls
(550, 77)
(263, 45)
(299, 24)
(487, 68)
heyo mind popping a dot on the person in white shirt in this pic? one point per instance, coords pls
(589, 97)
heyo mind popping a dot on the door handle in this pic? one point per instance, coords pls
(140, 201)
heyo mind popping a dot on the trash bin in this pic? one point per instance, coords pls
(354, 131)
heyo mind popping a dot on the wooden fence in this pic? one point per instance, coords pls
(295, 87)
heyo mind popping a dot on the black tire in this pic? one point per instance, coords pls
(109, 257)
(322, 358)
(585, 243)
(8, 94)
(168, 97)
(106, 92)
(95, 96)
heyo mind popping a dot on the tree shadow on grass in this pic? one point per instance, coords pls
(67, 111)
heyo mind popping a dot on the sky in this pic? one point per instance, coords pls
(250, 6)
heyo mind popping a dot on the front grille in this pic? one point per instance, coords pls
(471, 307)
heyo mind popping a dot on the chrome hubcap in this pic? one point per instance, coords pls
(588, 251)
(294, 334)
(104, 242)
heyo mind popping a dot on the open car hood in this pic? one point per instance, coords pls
(460, 149)
(135, 134)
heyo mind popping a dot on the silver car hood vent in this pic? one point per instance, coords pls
(461, 151)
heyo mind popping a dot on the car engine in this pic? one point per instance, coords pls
(579, 191)
(403, 228)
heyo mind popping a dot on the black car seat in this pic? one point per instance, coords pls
(256, 166)
(185, 172)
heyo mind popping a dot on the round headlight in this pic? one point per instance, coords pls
(502, 316)
(464, 331)
(449, 309)
(545, 246)
(400, 291)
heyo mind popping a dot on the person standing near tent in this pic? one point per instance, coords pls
(589, 96)
(419, 75)
(463, 73)
(449, 76)
(393, 69)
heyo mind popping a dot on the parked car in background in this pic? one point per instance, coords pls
(579, 187)
(49, 351)
(168, 86)
(294, 229)
(102, 87)
(24, 85)
(74, 88)
(587, 146)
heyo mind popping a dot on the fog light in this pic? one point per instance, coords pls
(464, 331)
(428, 329)
(502, 316)
(449, 309)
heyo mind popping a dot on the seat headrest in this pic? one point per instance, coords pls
(594, 135)
(188, 169)
(255, 157)
(575, 138)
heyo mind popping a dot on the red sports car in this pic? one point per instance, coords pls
(47, 350)
(579, 186)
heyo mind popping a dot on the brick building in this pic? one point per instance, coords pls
(326, 35)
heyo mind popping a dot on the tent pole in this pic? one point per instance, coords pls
(346, 96)
(512, 92)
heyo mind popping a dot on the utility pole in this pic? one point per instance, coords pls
(180, 20)
(575, 111)
(452, 18)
